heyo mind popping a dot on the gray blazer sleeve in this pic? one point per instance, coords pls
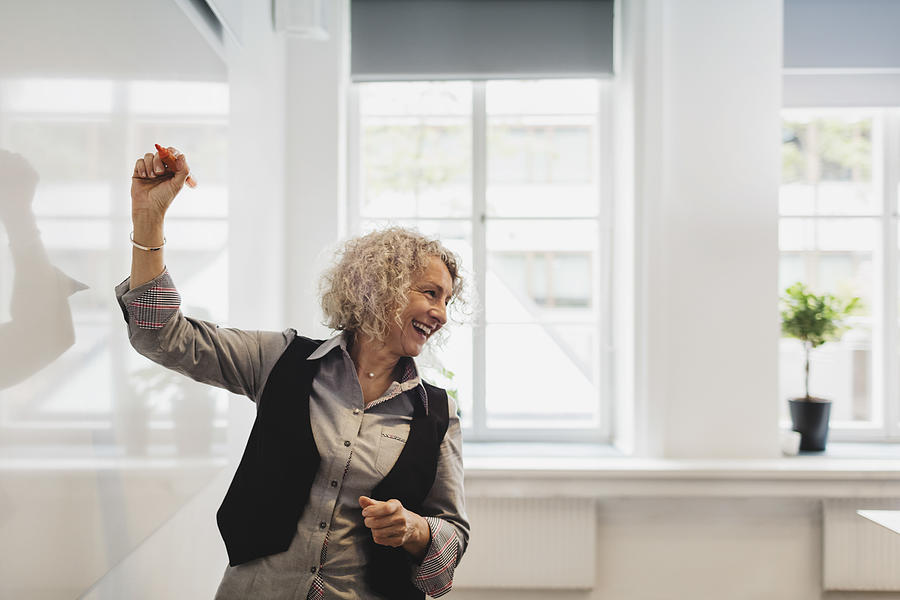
(234, 359)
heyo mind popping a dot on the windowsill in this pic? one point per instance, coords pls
(478, 450)
(81, 465)
(845, 470)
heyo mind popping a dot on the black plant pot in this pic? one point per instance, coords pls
(810, 419)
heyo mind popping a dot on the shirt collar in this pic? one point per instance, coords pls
(410, 380)
(410, 370)
(328, 345)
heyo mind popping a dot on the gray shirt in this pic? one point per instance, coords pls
(358, 445)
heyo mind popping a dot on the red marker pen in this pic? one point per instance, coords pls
(169, 160)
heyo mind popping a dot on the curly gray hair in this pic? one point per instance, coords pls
(366, 288)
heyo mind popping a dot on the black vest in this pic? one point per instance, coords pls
(271, 486)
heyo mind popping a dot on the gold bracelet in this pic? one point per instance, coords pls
(148, 249)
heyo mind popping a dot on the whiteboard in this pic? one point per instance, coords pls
(98, 446)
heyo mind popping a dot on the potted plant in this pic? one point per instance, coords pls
(814, 320)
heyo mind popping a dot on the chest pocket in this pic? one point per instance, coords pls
(390, 445)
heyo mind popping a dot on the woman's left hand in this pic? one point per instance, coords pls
(393, 525)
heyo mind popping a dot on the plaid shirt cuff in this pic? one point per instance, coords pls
(155, 305)
(435, 575)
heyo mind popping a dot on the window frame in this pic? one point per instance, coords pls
(479, 431)
(885, 394)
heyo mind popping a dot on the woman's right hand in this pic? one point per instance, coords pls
(154, 186)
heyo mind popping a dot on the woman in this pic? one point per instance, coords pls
(351, 482)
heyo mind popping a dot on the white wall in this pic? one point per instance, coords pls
(707, 172)
(666, 549)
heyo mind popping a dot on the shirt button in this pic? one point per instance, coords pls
(323, 525)
(312, 569)
(355, 411)
(347, 443)
(333, 483)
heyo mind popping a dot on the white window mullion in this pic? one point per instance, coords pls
(603, 288)
(354, 172)
(888, 330)
(479, 256)
(877, 393)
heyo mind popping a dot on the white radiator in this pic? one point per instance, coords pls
(529, 543)
(858, 554)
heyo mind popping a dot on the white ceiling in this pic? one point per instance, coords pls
(110, 39)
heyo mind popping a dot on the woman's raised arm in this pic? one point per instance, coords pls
(154, 186)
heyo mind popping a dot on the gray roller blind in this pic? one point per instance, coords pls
(842, 34)
(395, 40)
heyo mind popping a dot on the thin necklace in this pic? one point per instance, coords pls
(350, 345)
(371, 375)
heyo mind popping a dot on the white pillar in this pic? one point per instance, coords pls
(707, 101)
(318, 75)
(256, 185)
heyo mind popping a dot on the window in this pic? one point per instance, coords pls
(838, 234)
(507, 174)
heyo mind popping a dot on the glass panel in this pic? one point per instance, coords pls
(543, 97)
(91, 264)
(839, 371)
(73, 199)
(201, 271)
(832, 256)
(77, 403)
(204, 145)
(541, 270)
(792, 268)
(47, 96)
(539, 150)
(797, 198)
(450, 367)
(796, 234)
(199, 98)
(64, 150)
(542, 148)
(76, 234)
(827, 162)
(845, 234)
(541, 376)
(197, 236)
(415, 150)
(414, 98)
(542, 278)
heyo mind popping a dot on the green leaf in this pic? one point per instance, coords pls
(812, 318)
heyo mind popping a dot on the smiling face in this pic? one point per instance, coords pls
(426, 311)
